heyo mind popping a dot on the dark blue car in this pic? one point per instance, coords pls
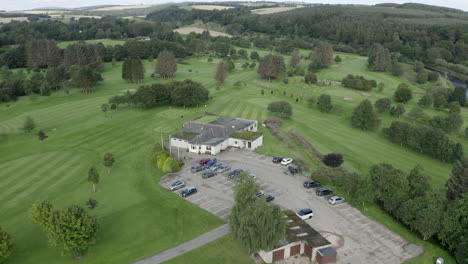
(188, 191)
(234, 173)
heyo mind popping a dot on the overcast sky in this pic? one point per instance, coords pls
(30, 4)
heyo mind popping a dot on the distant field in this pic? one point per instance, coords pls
(272, 10)
(75, 16)
(210, 7)
(9, 19)
(188, 30)
(113, 8)
(38, 12)
(106, 42)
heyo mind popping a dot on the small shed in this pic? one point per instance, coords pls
(301, 239)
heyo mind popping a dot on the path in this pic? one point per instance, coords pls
(187, 246)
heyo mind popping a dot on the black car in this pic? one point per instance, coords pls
(197, 168)
(323, 192)
(293, 169)
(277, 159)
(208, 174)
(267, 197)
(188, 191)
(311, 184)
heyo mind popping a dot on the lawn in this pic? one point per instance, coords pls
(225, 250)
(106, 42)
(137, 217)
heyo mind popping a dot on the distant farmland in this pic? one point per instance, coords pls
(272, 10)
(210, 7)
(188, 30)
(113, 8)
(5, 20)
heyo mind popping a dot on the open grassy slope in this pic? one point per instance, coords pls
(106, 42)
(137, 217)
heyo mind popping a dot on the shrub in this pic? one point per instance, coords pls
(358, 83)
(403, 93)
(383, 104)
(282, 108)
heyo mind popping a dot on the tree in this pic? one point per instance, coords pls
(221, 72)
(379, 58)
(271, 67)
(42, 54)
(426, 100)
(364, 193)
(418, 182)
(454, 223)
(390, 185)
(254, 55)
(84, 77)
(188, 93)
(439, 101)
(310, 78)
(457, 184)
(6, 245)
(108, 161)
(91, 203)
(166, 64)
(338, 59)
(257, 224)
(322, 57)
(42, 135)
(230, 65)
(93, 176)
(324, 103)
(29, 124)
(383, 104)
(295, 58)
(416, 113)
(104, 108)
(282, 108)
(333, 160)
(56, 76)
(454, 107)
(133, 70)
(398, 110)
(364, 116)
(396, 68)
(459, 95)
(83, 54)
(403, 93)
(418, 66)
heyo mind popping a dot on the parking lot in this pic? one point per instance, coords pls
(358, 238)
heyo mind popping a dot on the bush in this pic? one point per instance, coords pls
(282, 108)
(333, 160)
(403, 93)
(422, 77)
(398, 110)
(324, 103)
(310, 78)
(358, 83)
(383, 104)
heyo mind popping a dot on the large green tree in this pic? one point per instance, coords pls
(257, 224)
(364, 116)
(390, 185)
(221, 72)
(295, 58)
(324, 103)
(42, 54)
(83, 54)
(383, 104)
(457, 184)
(133, 70)
(271, 67)
(6, 245)
(71, 229)
(403, 93)
(418, 182)
(454, 224)
(188, 93)
(84, 77)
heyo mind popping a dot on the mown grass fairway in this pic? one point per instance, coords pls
(106, 42)
(137, 217)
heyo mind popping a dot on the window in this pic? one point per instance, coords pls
(208, 148)
(235, 142)
(193, 147)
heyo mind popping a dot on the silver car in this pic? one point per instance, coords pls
(336, 200)
(176, 185)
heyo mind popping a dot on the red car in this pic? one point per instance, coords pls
(204, 161)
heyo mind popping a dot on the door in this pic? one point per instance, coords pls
(295, 250)
(249, 144)
(278, 255)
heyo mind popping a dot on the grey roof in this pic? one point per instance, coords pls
(327, 251)
(215, 132)
(299, 230)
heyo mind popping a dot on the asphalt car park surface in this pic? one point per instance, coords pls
(360, 239)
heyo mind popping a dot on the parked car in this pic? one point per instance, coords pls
(336, 200)
(277, 159)
(234, 173)
(267, 197)
(306, 213)
(176, 185)
(293, 169)
(223, 169)
(196, 169)
(208, 174)
(210, 163)
(217, 165)
(311, 184)
(286, 161)
(188, 191)
(252, 176)
(323, 192)
(204, 161)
